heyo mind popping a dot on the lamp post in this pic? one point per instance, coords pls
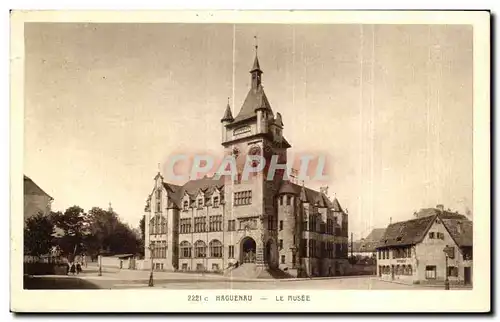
(151, 247)
(447, 251)
(99, 260)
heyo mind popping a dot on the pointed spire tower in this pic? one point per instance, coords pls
(256, 71)
(226, 119)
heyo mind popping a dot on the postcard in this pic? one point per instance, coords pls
(246, 161)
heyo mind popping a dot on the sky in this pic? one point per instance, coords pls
(390, 105)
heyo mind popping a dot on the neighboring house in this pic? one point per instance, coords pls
(367, 247)
(35, 199)
(413, 250)
(211, 224)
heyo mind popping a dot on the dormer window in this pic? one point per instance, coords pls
(185, 205)
(216, 202)
(200, 203)
(158, 194)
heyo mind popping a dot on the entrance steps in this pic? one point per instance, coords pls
(254, 271)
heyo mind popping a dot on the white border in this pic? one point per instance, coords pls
(476, 300)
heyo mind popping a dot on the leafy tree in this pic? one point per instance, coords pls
(38, 235)
(74, 225)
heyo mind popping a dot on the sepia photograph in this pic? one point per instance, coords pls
(246, 161)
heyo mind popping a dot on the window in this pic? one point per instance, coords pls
(312, 223)
(215, 223)
(199, 267)
(452, 271)
(231, 251)
(303, 248)
(283, 259)
(440, 236)
(215, 248)
(294, 259)
(158, 206)
(271, 223)
(185, 248)
(288, 200)
(200, 249)
(163, 249)
(312, 248)
(199, 224)
(281, 243)
(281, 224)
(185, 205)
(231, 225)
(215, 267)
(243, 198)
(200, 203)
(305, 224)
(430, 272)
(216, 202)
(431, 235)
(410, 270)
(184, 266)
(185, 226)
(163, 225)
(281, 201)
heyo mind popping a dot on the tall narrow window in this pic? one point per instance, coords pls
(185, 205)
(216, 202)
(281, 224)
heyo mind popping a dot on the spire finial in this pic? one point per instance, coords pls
(110, 209)
(228, 100)
(256, 44)
(158, 167)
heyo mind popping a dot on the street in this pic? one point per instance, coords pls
(127, 279)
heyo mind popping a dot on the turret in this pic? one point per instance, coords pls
(226, 119)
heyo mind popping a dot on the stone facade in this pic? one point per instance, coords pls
(212, 224)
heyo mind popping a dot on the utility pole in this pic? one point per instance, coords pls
(352, 244)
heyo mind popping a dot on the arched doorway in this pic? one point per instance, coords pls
(248, 247)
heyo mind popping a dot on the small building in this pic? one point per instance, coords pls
(367, 247)
(413, 250)
(35, 199)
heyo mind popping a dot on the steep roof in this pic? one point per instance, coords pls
(256, 99)
(413, 231)
(228, 115)
(256, 65)
(370, 243)
(31, 188)
(406, 232)
(309, 195)
(375, 235)
(192, 188)
(460, 231)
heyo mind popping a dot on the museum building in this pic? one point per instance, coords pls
(228, 223)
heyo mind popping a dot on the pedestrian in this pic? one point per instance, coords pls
(78, 268)
(72, 268)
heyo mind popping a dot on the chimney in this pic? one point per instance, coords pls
(440, 207)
